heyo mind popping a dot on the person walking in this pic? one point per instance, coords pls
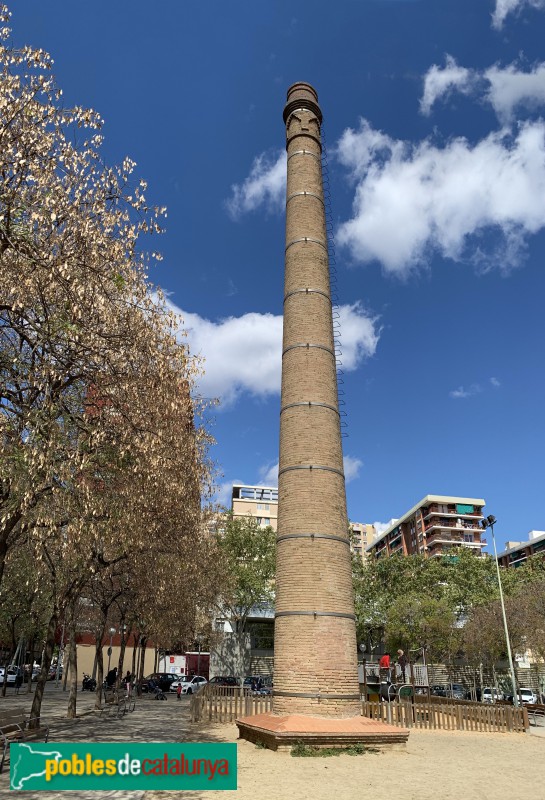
(402, 661)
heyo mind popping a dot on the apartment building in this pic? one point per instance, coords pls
(516, 553)
(433, 527)
(260, 502)
(362, 536)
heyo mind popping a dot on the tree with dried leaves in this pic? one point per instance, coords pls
(102, 460)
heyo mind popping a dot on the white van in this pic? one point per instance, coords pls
(491, 695)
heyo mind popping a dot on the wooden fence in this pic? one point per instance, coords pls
(449, 716)
(226, 704)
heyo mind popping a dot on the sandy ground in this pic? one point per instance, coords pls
(442, 765)
(436, 764)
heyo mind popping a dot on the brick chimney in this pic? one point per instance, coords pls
(315, 660)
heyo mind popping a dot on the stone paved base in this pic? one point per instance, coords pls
(282, 732)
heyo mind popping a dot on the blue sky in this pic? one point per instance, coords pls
(434, 120)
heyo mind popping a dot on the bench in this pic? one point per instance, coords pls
(14, 728)
(113, 702)
(536, 709)
(120, 703)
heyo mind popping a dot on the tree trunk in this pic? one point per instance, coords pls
(8, 662)
(32, 649)
(142, 662)
(136, 639)
(66, 666)
(100, 668)
(73, 661)
(3, 554)
(46, 663)
(122, 648)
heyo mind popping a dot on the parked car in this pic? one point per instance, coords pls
(457, 691)
(225, 680)
(12, 674)
(525, 696)
(438, 690)
(188, 685)
(163, 680)
(260, 685)
(491, 695)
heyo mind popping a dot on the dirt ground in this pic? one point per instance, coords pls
(438, 765)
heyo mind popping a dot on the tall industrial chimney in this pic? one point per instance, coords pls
(316, 696)
(315, 655)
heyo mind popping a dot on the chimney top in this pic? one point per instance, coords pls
(302, 95)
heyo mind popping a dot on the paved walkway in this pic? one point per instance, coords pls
(152, 721)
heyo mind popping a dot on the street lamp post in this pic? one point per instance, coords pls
(489, 522)
(112, 631)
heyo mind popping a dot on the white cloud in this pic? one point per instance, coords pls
(268, 474)
(224, 491)
(510, 88)
(359, 335)
(505, 7)
(244, 354)
(380, 527)
(264, 186)
(414, 200)
(352, 466)
(476, 388)
(462, 393)
(441, 81)
(505, 88)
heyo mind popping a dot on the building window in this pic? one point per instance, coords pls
(261, 635)
(263, 507)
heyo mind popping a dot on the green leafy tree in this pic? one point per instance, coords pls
(418, 621)
(247, 555)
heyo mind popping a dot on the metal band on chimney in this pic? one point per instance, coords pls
(304, 153)
(315, 614)
(308, 291)
(307, 239)
(305, 194)
(313, 536)
(310, 403)
(302, 104)
(307, 345)
(311, 467)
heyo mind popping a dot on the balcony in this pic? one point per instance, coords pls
(433, 510)
(459, 530)
(453, 541)
(465, 526)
